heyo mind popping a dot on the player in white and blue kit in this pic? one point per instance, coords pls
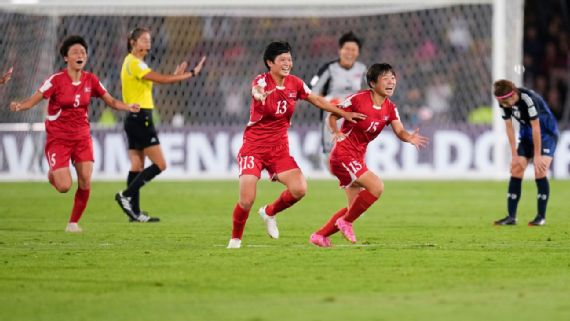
(538, 136)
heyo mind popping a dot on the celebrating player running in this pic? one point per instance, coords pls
(265, 141)
(67, 126)
(362, 186)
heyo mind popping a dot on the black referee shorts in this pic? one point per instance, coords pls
(140, 130)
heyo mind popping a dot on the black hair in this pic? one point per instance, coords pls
(377, 70)
(274, 49)
(70, 41)
(134, 35)
(349, 37)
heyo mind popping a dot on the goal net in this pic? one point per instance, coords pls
(446, 55)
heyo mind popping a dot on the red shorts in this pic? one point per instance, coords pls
(347, 169)
(59, 151)
(275, 161)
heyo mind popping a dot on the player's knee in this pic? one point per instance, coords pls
(161, 166)
(62, 187)
(377, 189)
(246, 203)
(299, 191)
(517, 171)
(538, 173)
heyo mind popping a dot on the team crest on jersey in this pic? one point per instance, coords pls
(386, 118)
(292, 94)
(87, 89)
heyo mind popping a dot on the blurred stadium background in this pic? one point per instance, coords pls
(446, 53)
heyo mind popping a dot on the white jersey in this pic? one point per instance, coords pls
(335, 83)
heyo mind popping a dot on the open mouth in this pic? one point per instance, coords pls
(79, 62)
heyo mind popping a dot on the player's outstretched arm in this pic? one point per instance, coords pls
(4, 79)
(119, 105)
(413, 138)
(321, 103)
(26, 103)
(179, 74)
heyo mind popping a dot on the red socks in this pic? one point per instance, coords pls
(240, 217)
(79, 204)
(359, 205)
(330, 228)
(284, 201)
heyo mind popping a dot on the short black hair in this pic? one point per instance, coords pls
(70, 41)
(274, 49)
(349, 37)
(377, 70)
(134, 35)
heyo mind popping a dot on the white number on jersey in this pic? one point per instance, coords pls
(281, 107)
(51, 158)
(76, 103)
(246, 162)
(355, 166)
(373, 126)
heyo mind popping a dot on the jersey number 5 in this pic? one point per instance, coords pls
(281, 107)
(76, 102)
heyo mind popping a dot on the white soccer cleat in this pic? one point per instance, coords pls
(73, 228)
(234, 244)
(270, 223)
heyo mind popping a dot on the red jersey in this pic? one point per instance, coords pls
(359, 134)
(268, 123)
(68, 103)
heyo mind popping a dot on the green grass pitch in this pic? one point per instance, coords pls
(427, 251)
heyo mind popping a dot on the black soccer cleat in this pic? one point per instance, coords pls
(538, 221)
(508, 220)
(125, 204)
(143, 217)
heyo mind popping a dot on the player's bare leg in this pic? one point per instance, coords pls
(154, 153)
(373, 188)
(247, 193)
(61, 179)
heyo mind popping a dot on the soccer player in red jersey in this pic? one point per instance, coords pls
(67, 126)
(362, 187)
(265, 140)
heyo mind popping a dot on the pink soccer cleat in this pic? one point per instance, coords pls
(346, 229)
(320, 240)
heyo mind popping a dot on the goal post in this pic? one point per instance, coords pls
(446, 54)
